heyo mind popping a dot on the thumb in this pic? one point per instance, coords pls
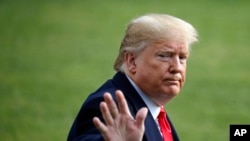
(140, 117)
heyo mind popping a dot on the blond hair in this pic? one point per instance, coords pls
(144, 30)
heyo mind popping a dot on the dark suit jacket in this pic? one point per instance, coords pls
(83, 128)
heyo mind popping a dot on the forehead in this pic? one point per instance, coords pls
(167, 45)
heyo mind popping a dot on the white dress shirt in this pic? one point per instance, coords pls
(152, 107)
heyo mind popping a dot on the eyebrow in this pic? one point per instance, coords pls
(173, 50)
(170, 50)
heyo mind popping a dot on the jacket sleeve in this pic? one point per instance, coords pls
(83, 128)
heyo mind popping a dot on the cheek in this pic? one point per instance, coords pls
(151, 68)
(149, 72)
(148, 65)
(183, 74)
(157, 65)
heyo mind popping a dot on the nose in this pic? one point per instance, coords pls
(175, 64)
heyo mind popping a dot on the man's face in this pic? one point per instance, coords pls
(160, 70)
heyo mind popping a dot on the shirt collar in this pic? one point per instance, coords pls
(152, 107)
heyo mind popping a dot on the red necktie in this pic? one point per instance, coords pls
(164, 126)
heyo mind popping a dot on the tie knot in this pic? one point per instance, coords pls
(162, 113)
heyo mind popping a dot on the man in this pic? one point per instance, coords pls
(151, 70)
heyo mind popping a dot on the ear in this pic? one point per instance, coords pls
(130, 60)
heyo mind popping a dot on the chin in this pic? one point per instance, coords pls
(171, 94)
(173, 91)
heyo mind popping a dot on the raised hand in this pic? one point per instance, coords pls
(119, 123)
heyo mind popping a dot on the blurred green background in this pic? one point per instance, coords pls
(54, 53)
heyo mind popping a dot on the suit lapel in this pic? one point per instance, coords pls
(135, 102)
(175, 136)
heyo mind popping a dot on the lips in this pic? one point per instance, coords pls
(172, 81)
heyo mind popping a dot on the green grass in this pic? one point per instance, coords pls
(54, 53)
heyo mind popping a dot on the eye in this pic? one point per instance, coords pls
(183, 58)
(164, 56)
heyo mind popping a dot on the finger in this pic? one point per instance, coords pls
(99, 125)
(122, 103)
(111, 105)
(140, 117)
(106, 113)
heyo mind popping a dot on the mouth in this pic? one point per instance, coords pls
(172, 81)
(175, 80)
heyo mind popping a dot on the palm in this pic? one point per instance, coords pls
(120, 125)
